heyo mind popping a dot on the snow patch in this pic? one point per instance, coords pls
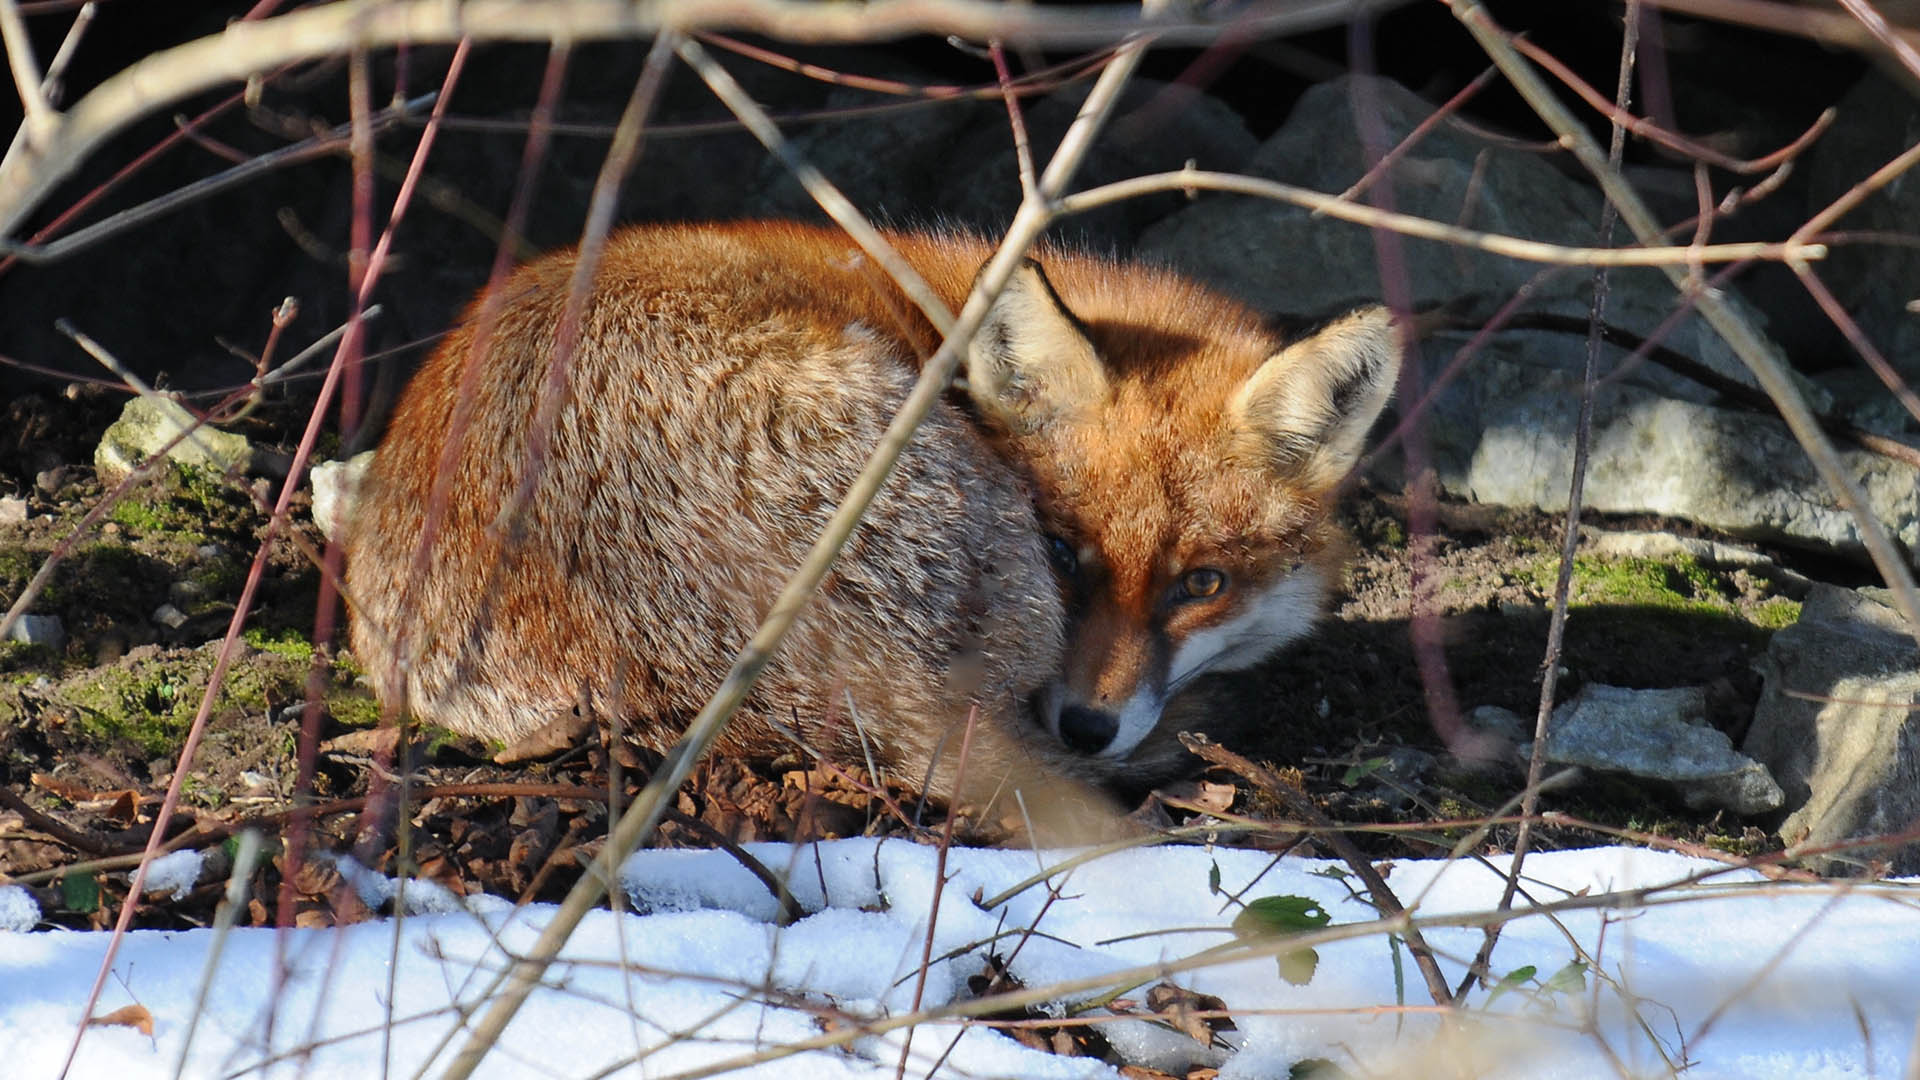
(17, 909)
(175, 872)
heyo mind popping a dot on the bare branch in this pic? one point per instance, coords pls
(245, 48)
(41, 118)
(1796, 19)
(1427, 229)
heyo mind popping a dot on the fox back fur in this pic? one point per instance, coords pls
(1130, 488)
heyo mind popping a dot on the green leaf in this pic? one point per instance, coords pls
(1514, 979)
(80, 893)
(1298, 966)
(1280, 915)
(1361, 770)
(1568, 980)
(1213, 878)
(1399, 970)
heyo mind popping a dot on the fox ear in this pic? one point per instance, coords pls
(1030, 362)
(1306, 411)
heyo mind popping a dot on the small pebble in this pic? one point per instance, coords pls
(39, 630)
(51, 480)
(170, 617)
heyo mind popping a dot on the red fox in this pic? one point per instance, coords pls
(1130, 487)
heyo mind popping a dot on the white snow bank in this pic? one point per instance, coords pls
(1744, 979)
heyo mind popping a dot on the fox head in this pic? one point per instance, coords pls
(1183, 462)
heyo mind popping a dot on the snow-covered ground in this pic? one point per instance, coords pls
(1743, 979)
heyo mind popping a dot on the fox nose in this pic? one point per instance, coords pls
(1087, 730)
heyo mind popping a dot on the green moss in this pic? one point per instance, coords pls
(183, 504)
(22, 662)
(207, 490)
(354, 710)
(17, 567)
(1681, 585)
(438, 738)
(138, 516)
(287, 642)
(151, 706)
(1775, 612)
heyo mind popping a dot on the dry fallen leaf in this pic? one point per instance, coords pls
(134, 1016)
(1180, 1007)
(377, 742)
(125, 809)
(563, 732)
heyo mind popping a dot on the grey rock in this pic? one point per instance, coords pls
(45, 630)
(958, 156)
(1505, 435)
(1861, 399)
(1877, 120)
(1492, 720)
(335, 483)
(1660, 735)
(170, 617)
(1838, 723)
(1397, 779)
(1283, 259)
(13, 510)
(145, 428)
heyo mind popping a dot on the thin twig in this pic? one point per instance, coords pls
(1022, 151)
(1904, 48)
(47, 823)
(1428, 229)
(1570, 526)
(325, 144)
(42, 120)
(50, 84)
(939, 887)
(245, 857)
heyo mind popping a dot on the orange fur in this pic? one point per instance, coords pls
(728, 383)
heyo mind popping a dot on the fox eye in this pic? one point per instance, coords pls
(1061, 553)
(1202, 583)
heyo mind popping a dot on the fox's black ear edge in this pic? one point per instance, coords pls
(1031, 359)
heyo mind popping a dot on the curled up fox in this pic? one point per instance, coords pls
(1129, 487)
